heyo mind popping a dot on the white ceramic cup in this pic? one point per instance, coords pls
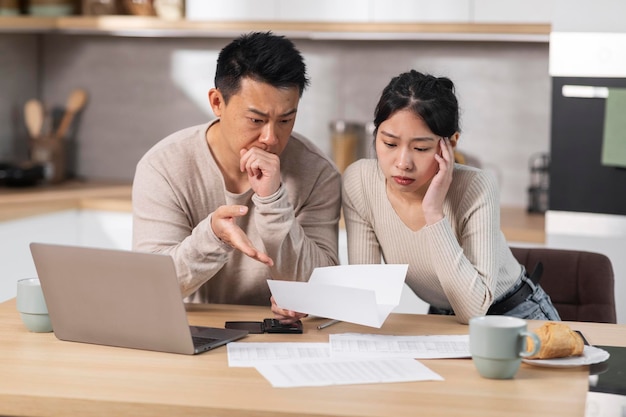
(498, 344)
(32, 305)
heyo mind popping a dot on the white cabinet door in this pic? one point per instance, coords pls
(231, 10)
(513, 11)
(374, 11)
(105, 229)
(353, 11)
(421, 11)
(15, 258)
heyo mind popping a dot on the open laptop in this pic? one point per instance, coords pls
(120, 298)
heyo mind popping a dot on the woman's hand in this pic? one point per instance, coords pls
(285, 316)
(432, 204)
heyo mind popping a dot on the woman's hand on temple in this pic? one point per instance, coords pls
(432, 204)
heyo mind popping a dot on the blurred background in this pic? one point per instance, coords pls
(540, 84)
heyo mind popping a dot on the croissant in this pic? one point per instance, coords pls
(557, 341)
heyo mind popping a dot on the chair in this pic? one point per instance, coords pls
(580, 283)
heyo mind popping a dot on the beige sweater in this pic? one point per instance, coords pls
(178, 185)
(462, 262)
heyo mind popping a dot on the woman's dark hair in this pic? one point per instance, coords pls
(431, 98)
(261, 56)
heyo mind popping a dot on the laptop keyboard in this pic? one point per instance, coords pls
(202, 341)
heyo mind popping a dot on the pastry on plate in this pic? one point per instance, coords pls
(557, 341)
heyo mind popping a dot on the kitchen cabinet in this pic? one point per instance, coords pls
(513, 11)
(105, 229)
(233, 10)
(322, 11)
(331, 10)
(96, 228)
(373, 11)
(435, 27)
(278, 10)
(71, 213)
(451, 11)
(15, 258)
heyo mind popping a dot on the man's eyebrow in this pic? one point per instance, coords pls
(260, 113)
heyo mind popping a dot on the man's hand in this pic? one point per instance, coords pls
(263, 170)
(285, 316)
(225, 227)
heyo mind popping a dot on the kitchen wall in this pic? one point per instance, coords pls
(142, 89)
(19, 71)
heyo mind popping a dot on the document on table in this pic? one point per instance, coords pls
(346, 371)
(361, 294)
(356, 345)
(349, 358)
(242, 354)
(350, 345)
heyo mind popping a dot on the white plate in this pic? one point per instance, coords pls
(591, 355)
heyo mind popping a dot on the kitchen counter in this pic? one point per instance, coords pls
(517, 224)
(16, 203)
(520, 226)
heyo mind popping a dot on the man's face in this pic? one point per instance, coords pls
(258, 115)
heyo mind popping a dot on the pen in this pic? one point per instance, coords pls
(328, 323)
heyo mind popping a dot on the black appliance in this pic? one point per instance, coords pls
(585, 67)
(21, 175)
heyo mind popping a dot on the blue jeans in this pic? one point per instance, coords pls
(537, 306)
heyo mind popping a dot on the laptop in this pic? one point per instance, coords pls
(120, 298)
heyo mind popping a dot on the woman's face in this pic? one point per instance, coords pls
(406, 149)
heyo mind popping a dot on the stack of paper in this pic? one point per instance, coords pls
(349, 358)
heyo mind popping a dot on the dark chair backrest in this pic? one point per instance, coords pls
(580, 283)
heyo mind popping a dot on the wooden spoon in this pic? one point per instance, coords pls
(34, 117)
(75, 102)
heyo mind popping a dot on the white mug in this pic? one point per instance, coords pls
(32, 305)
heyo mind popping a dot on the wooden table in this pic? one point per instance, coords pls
(42, 376)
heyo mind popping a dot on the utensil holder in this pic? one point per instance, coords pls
(50, 152)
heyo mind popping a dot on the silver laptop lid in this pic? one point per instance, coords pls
(114, 297)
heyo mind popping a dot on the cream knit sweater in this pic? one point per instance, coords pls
(462, 262)
(178, 185)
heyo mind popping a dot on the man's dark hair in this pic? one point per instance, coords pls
(260, 56)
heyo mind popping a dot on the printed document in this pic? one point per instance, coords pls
(349, 358)
(246, 354)
(346, 371)
(361, 294)
(355, 345)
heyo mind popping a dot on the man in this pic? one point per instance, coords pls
(242, 198)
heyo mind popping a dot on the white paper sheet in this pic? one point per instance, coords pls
(241, 354)
(356, 345)
(361, 294)
(346, 371)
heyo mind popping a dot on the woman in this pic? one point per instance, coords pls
(413, 205)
